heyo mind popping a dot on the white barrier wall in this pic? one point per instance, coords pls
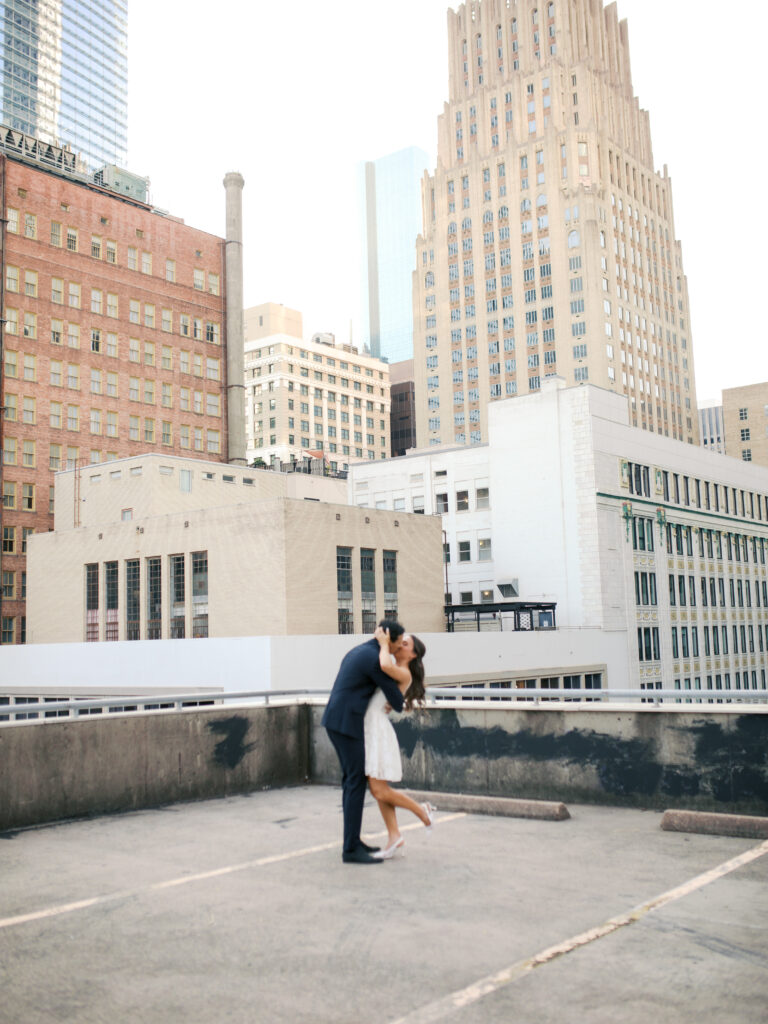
(295, 662)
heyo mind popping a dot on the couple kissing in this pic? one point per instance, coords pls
(381, 674)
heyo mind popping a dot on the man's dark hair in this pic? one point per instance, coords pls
(394, 627)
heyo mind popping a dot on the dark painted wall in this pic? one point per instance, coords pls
(702, 760)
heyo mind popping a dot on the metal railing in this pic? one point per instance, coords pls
(56, 710)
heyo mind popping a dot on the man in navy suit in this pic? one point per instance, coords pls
(359, 675)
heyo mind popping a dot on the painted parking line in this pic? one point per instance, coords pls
(202, 876)
(456, 1001)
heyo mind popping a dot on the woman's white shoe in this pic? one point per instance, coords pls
(430, 812)
(389, 851)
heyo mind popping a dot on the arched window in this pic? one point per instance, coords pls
(429, 280)
(514, 26)
(525, 205)
(478, 42)
(503, 212)
(535, 16)
(574, 239)
(452, 228)
(541, 200)
(466, 224)
(488, 217)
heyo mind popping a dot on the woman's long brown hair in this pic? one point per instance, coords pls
(416, 692)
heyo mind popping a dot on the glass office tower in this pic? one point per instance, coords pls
(390, 214)
(65, 74)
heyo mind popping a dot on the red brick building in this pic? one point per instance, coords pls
(114, 344)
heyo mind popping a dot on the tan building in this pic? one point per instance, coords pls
(745, 423)
(548, 242)
(172, 548)
(115, 341)
(310, 396)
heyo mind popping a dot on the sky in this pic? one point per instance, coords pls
(294, 95)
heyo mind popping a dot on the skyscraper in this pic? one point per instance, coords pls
(548, 243)
(389, 191)
(65, 75)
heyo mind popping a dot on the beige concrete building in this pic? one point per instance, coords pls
(311, 396)
(175, 548)
(745, 423)
(548, 242)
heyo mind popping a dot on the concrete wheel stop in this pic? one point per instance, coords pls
(744, 826)
(507, 807)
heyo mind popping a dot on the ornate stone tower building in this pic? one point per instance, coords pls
(548, 242)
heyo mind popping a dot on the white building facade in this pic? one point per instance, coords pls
(625, 530)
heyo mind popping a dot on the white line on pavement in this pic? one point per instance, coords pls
(448, 1005)
(68, 908)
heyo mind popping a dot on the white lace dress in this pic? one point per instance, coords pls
(382, 751)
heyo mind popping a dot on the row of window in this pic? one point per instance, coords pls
(685, 640)
(71, 238)
(679, 489)
(25, 323)
(190, 437)
(14, 585)
(11, 626)
(316, 357)
(186, 580)
(484, 551)
(711, 591)
(24, 365)
(190, 400)
(15, 539)
(368, 560)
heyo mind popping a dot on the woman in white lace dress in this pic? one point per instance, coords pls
(382, 751)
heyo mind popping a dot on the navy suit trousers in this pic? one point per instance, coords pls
(351, 754)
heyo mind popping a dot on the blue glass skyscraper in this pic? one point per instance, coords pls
(65, 74)
(390, 213)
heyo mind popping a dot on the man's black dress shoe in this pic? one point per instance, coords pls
(360, 856)
(369, 849)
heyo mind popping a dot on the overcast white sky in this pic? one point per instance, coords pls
(294, 94)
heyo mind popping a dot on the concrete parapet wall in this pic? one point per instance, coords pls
(658, 758)
(55, 770)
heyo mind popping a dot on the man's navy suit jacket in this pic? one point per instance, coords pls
(359, 675)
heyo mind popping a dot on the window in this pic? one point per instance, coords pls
(462, 501)
(464, 551)
(484, 551)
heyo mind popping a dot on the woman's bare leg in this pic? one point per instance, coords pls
(390, 820)
(383, 793)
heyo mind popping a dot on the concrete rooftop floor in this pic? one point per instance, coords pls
(241, 910)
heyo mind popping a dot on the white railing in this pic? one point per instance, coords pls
(83, 708)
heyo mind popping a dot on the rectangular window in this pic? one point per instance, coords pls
(176, 582)
(154, 599)
(132, 599)
(111, 626)
(344, 589)
(484, 551)
(390, 584)
(92, 602)
(368, 588)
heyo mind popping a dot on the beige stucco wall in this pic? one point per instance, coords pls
(150, 485)
(271, 567)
